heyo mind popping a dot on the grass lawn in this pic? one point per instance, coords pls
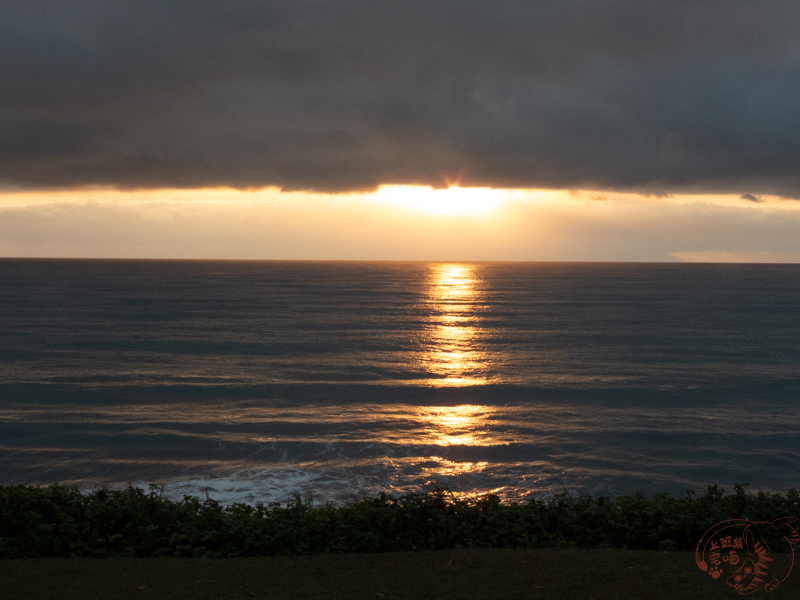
(477, 573)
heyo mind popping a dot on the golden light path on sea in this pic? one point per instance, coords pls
(454, 357)
(452, 354)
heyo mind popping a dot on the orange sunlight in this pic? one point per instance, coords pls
(454, 201)
(454, 355)
(456, 425)
(401, 223)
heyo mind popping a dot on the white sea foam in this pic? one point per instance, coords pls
(342, 486)
(263, 487)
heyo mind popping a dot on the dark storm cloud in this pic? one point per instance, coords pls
(651, 96)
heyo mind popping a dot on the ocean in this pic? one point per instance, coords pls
(250, 381)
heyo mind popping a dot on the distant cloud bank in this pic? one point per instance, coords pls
(638, 95)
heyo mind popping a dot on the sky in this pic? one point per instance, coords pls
(609, 130)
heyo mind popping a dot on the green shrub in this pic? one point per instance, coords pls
(58, 521)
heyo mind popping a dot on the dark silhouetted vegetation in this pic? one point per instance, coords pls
(57, 521)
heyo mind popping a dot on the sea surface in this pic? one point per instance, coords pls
(249, 381)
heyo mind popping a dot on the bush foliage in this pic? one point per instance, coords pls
(59, 521)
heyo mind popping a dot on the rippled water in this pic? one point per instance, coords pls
(253, 380)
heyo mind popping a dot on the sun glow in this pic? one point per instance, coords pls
(454, 201)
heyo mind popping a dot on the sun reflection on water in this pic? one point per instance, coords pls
(456, 425)
(452, 351)
(454, 355)
(448, 426)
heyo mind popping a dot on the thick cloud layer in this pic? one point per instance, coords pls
(642, 95)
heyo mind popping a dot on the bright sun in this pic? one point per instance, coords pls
(453, 201)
